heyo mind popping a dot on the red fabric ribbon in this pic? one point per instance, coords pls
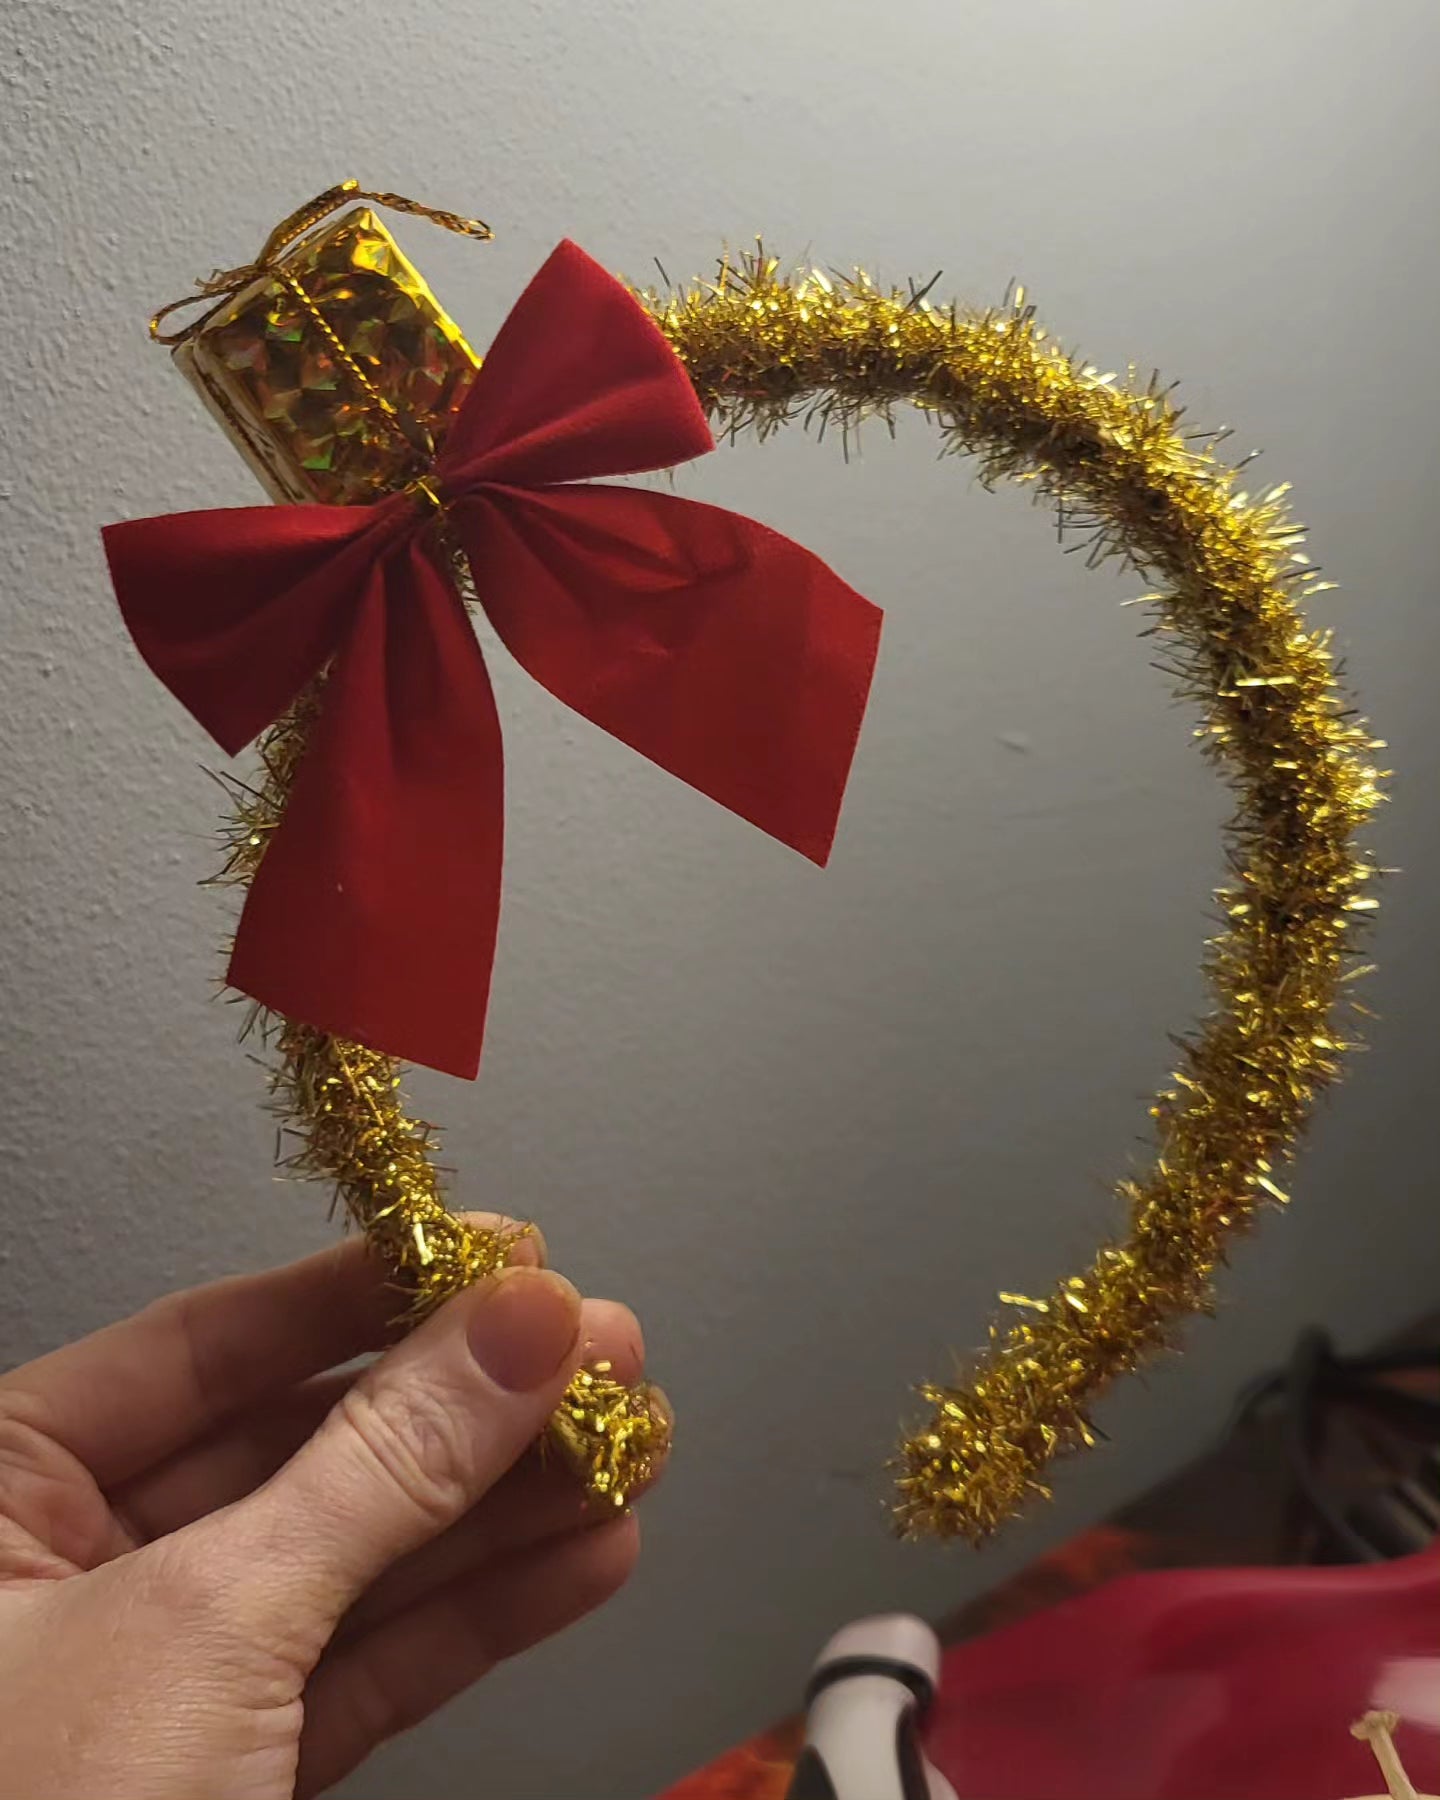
(722, 651)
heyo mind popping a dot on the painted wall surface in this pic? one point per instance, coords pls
(806, 1124)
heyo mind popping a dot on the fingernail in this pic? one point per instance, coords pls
(528, 1248)
(662, 1409)
(524, 1327)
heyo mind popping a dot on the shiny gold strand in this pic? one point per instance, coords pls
(1132, 483)
(611, 1434)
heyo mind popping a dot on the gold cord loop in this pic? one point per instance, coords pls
(224, 284)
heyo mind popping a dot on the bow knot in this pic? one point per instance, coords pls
(723, 652)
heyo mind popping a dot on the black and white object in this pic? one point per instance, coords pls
(870, 1688)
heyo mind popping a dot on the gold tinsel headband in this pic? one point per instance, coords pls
(765, 347)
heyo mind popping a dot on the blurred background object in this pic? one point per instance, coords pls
(1214, 1639)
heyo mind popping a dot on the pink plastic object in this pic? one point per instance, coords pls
(1199, 1684)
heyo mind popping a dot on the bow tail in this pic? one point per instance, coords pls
(722, 651)
(373, 914)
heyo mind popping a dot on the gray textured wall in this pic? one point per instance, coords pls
(806, 1124)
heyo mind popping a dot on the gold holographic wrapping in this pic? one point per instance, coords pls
(278, 365)
(1132, 482)
(336, 373)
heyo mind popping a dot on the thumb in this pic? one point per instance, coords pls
(408, 1450)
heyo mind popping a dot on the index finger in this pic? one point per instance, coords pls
(137, 1391)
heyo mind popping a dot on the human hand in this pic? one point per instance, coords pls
(230, 1568)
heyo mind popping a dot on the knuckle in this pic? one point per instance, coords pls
(48, 1498)
(176, 1580)
(193, 1599)
(416, 1440)
(24, 1448)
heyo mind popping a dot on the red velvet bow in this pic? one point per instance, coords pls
(722, 651)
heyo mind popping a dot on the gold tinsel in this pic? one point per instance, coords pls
(1132, 483)
(609, 1433)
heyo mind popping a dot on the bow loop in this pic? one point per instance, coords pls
(580, 383)
(237, 610)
